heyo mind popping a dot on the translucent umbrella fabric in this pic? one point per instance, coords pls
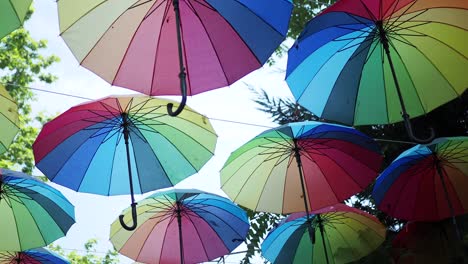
(9, 119)
(347, 233)
(182, 226)
(320, 163)
(32, 256)
(33, 214)
(12, 14)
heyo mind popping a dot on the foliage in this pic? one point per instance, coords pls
(90, 254)
(20, 65)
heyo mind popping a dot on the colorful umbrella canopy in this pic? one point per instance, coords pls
(427, 242)
(12, 14)
(121, 145)
(337, 234)
(317, 163)
(32, 214)
(9, 120)
(426, 182)
(33, 256)
(136, 44)
(201, 226)
(373, 62)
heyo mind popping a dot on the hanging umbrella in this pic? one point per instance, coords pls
(426, 182)
(299, 166)
(32, 214)
(375, 62)
(32, 256)
(121, 145)
(337, 234)
(201, 226)
(9, 120)
(153, 47)
(427, 242)
(12, 14)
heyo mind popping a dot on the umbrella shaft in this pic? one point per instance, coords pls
(320, 222)
(126, 133)
(299, 166)
(182, 73)
(179, 223)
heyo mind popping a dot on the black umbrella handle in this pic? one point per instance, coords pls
(134, 219)
(412, 136)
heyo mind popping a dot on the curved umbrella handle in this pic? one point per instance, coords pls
(179, 109)
(409, 130)
(134, 218)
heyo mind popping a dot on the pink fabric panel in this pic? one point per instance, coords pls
(160, 237)
(236, 58)
(356, 7)
(137, 67)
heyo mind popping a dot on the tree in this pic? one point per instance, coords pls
(88, 256)
(20, 65)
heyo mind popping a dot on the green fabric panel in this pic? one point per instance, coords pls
(371, 105)
(9, 240)
(451, 56)
(304, 252)
(21, 7)
(8, 19)
(410, 98)
(271, 199)
(432, 88)
(319, 252)
(44, 222)
(29, 234)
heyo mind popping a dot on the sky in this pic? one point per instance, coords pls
(94, 213)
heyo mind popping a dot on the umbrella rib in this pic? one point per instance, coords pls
(85, 14)
(395, 20)
(198, 234)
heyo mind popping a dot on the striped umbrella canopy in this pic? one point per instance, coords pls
(12, 15)
(123, 145)
(9, 119)
(32, 214)
(32, 256)
(299, 166)
(198, 225)
(173, 47)
(336, 234)
(374, 62)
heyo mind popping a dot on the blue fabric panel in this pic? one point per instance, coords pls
(273, 243)
(342, 100)
(289, 251)
(151, 175)
(45, 256)
(276, 12)
(261, 38)
(120, 183)
(74, 164)
(51, 164)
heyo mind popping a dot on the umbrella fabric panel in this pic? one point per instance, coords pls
(263, 173)
(12, 14)
(87, 140)
(338, 60)
(411, 187)
(134, 40)
(9, 121)
(33, 256)
(33, 214)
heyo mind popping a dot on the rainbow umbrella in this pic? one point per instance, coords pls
(201, 226)
(299, 166)
(32, 214)
(12, 15)
(154, 47)
(121, 145)
(426, 182)
(9, 119)
(32, 256)
(337, 234)
(381, 61)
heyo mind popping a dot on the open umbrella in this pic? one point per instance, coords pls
(337, 234)
(363, 62)
(121, 145)
(12, 14)
(426, 182)
(32, 214)
(201, 226)
(32, 256)
(299, 166)
(428, 242)
(154, 47)
(9, 120)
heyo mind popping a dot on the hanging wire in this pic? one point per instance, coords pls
(211, 118)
